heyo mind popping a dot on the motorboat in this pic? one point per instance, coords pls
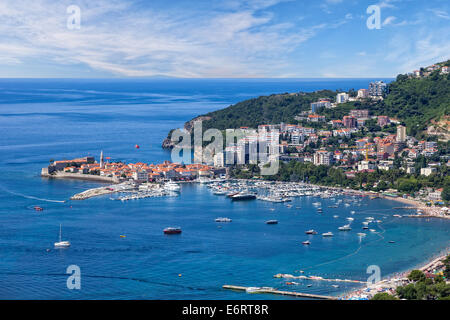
(345, 228)
(172, 230)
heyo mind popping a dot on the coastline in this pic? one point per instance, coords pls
(391, 282)
(78, 176)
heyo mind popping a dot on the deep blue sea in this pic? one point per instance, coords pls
(60, 119)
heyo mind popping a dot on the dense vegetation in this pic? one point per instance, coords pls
(271, 109)
(413, 100)
(417, 101)
(421, 287)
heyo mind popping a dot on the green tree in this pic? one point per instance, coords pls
(384, 296)
(416, 276)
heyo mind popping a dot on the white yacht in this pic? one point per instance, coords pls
(60, 243)
(172, 186)
(345, 228)
(328, 234)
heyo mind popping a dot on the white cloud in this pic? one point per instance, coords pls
(389, 20)
(440, 13)
(223, 43)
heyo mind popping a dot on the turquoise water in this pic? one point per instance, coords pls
(43, 119)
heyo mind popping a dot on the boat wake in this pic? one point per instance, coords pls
(30, 197)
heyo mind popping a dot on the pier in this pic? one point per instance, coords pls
(316, 278)
(284, 293)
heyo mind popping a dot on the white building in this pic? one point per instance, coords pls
(427, 171)
(219, 160)
(342, 97)
(323, 157)
(365, 165)
(363, 93)
(140, 175)
(401, 134)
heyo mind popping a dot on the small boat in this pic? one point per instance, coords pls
(171, 230)
(312, 231)
(361, 234)
(37, 208)
(391, 241)
(319, 210)
(137, 146)
(352, 212)
(222, 219)
(350, 219)
(397, 216)
(335, 286)
(307, 242)
(373, 230)
(365, 227)
(335, 216)
(60, 243)
(345, 228)
(272, 222)
(327, 234)
(258, 289)
(123, 236)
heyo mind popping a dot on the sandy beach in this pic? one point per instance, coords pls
(390, 283)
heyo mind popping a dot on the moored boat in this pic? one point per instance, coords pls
(172, 230)
(345, 228)
(243, 196)
(60, 243)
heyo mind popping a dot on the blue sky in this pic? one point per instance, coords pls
(221, 39)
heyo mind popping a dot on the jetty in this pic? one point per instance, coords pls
(95, 192)
(279, 292)
(317, 278)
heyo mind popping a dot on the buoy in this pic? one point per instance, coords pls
(137, 146)
(179, 275)
(122, 236)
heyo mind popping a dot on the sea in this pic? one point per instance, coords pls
(45, 119)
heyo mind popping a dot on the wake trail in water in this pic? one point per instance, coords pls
(30, 197)
(379, 234)
(105, 277)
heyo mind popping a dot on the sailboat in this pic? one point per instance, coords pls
(60, 243)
